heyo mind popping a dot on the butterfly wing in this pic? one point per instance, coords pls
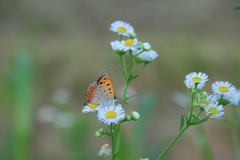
(105, 81)
(90, 91)
(100, 94)
(101, 89)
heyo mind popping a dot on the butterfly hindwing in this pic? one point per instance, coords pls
(90, 91)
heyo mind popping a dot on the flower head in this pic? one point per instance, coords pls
(224, 89)
(118, 47)
(208, 100)
(122, 28)
(129, 44)
(194, 78)
(213, 110)
(110, 113)
(146, 56)
(234, 97)
(90, 107)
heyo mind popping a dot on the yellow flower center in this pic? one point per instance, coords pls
(122, 29)
(129, 42)
(93, 106)
(110, 114)
(223, 89)
(204, 101)
(196, 79)
(213, 111)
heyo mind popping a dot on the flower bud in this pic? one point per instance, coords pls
(101, 130)
(146, 46)
(128, 118)
(98, 134)
(135, 115)
(132, 35)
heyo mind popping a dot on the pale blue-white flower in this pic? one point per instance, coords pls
(196, 79)
(122, 28)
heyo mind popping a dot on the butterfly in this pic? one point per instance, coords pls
(101, 89)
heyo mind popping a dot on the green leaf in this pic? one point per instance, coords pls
(223, 102)
(182, 122)
(198, 121)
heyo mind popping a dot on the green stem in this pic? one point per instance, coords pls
(113, 141)
(118, 139)
(131, 59)
(125, 92)
(173, 142)
(123, 62)
(235, 134)
(127, 78)
(133, 69)
(191, 110)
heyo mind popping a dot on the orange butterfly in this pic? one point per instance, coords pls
(101, 89)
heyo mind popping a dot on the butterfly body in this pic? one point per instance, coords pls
(101, 89)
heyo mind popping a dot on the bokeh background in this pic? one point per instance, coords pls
(50, 51)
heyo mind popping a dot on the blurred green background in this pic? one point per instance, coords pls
(50, 51)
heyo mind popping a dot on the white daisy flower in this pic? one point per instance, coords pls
(206, 101)
(214, 111)
(129, 44)
(122, 28)
(110, 113)
(146, 56)
(234, 97)
(90, 107)
(195, 78)
(223, 88)
(117, 47)
(189, 83)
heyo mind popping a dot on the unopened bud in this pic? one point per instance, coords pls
(128, 118)
(98, 134)
(146, 46)
(135, 115)
(101, 130)
(132, 35)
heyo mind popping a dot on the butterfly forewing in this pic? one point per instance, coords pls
(106, 82)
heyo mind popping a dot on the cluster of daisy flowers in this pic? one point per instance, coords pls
(141, 51)
(224, 93)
